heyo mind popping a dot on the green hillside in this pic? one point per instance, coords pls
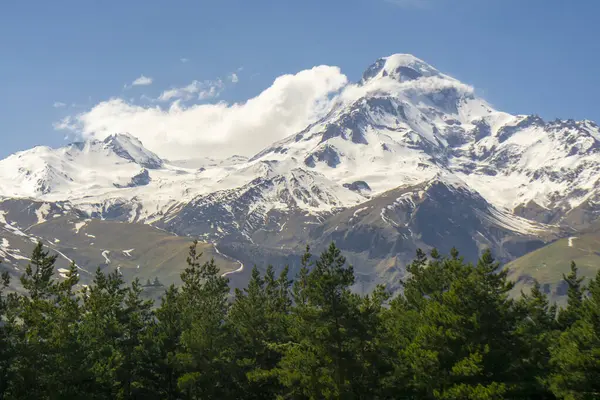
(136, 250)
(548, 264)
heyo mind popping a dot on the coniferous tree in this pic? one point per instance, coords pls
(454, 333)
(69, 375)
(161, 343)
(204, 340)
(101, 333)
(7, 334)
(537, 330)
(576, 355)
(463, 346)
(137, 320)
(370, 348)
(300, 285)
(31, 366)
(248, 320)
(321, 361)
(571, 313)
(258, 320)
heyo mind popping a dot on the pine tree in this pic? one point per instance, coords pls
(164, 342)
(576, 354)
(137, 320)
(537, 330)
(204, 339)
(300, 285)
(373, 356)
(321, 361)
(7, 334)
(156, 353)
(258, 320)
(454, 333)
(37, 280)
(248, 321)
(571, 313)
(33, 350)
(101, 333)
(69, 374)
(464, 345)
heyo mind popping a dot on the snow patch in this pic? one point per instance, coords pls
(511, 222)
(78, 225)
(63, 272)
(359, 211)
(42, 212)
(13, 229)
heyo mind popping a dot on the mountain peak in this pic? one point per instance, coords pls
(123, 137)
(401, 67)
(131, 148)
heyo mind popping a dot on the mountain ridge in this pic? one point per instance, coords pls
(404, 128)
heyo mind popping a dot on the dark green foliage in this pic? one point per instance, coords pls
(576, 354)
(204, 339)
(32, 366)
(324, 357)
(571, 313)
(537, 329)
(7, 335)
(160, 345)
(453, 333)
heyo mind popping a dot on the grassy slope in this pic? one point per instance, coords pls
(156, 252)
(548, 264)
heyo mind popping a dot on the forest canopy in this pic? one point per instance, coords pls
(453, 333)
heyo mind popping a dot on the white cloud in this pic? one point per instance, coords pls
(184, 60)
(234, 78)
(142, 81)
(59, 104)
(200, 90)
(221, 129)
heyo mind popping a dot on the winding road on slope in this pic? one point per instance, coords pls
(240, 269)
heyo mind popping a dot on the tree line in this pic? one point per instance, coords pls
(453, 333)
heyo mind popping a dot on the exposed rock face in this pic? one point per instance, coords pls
(141, 179)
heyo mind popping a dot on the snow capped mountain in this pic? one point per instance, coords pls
(404, 149)
(400, 67)
(130, 148)
(76, 169)
(407, 123)
(404, 123)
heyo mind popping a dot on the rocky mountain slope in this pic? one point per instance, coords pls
(408, 157)
(134, 250)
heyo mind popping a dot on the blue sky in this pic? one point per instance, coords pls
(63, 57)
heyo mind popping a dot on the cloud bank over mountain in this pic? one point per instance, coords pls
(181, 130)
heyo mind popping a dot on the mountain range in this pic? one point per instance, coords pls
(406, 158)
